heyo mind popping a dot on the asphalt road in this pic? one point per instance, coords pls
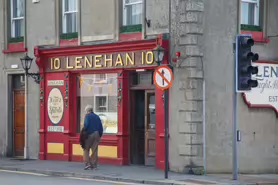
(15, 178)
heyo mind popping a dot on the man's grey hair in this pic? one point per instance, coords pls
(89, 108)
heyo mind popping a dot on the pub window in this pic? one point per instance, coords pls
(142, 78)
(100, 78)
(17, 18)
(69, 16)
(132, 14)
(250, 12)
(102, 96)
(18, 81)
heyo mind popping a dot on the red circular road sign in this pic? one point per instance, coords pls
(163, 77)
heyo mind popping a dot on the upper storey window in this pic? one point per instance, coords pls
(69, 19)
(132, 14)
(17, 18)
(250, 12)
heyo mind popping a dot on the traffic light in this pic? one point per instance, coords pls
(244, 59)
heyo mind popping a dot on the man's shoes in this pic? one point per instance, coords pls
(93, 167)
(87, 167)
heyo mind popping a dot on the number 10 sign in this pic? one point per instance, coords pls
(163, 77)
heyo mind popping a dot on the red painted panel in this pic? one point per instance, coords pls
(130, 36)
(15, 47)
(160, 148)
(123, 125)
(257, 36)
(71, 42)
(57, 137)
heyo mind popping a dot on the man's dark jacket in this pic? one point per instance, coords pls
(92, 123)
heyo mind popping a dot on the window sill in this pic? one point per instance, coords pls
(258, 36)
(15, 48)
(131, 28)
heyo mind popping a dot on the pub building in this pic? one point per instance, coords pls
(117, 80)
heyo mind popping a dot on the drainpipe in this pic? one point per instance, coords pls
(26, 148)
(204, 121)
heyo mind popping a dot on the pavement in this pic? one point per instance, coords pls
(15, 178)
(128, 174)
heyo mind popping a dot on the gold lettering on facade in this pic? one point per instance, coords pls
(143, 58)
(78, 64)
(68, 65)
(119, 60)
(129, 60)
(110, 60)
(98, 61)
(88, 62)
(149, 58)
(55, 64)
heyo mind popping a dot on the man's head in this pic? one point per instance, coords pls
(89, 109)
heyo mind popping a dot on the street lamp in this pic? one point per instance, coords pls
(26, 63)
(158, 53)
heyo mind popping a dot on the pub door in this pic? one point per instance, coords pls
(18, 123)
(150, 123)
(143, 133)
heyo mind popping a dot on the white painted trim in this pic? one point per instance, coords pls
(97, 38)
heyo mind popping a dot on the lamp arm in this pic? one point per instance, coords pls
(35, 76)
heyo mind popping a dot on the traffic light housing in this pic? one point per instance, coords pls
(244, 68)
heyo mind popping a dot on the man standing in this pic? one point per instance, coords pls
(94, 130)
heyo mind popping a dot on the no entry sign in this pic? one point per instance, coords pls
(163, 77)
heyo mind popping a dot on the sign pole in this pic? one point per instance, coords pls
(166, 130)
(163, 78)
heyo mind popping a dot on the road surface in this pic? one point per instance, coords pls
(16, 178)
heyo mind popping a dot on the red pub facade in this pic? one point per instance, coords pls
(117, 80)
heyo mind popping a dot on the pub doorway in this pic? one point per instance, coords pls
(18, 116)
(142, 122)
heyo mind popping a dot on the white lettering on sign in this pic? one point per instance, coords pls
(55, 128)
(55, 82)
(266, 94)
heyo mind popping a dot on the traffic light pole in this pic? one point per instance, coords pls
(235, 118)
(235, 147)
